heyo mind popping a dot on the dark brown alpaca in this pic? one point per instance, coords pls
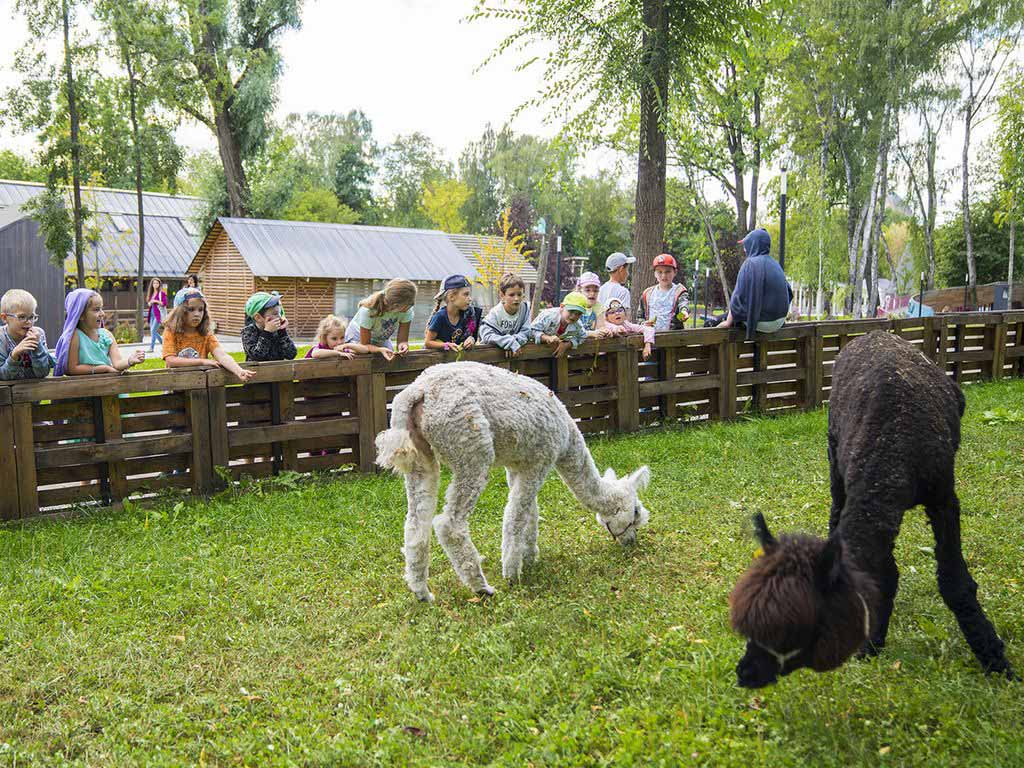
(893, 433)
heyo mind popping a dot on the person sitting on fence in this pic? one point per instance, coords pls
(559, 327)
(23, 350)
(156, 304)
(666, 305)
(265, 334)
(85, 345)
(762, 296)
(189, 341)
(455, 322)
(330, 341)
(380, 315)
(616, 322)
(507, 325)
(589, 284)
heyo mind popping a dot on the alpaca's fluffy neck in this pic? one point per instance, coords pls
(578, 471)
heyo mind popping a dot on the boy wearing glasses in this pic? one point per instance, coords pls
(23, 350)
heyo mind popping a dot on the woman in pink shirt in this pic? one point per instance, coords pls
(156, 302)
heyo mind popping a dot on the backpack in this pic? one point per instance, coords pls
(679, 306)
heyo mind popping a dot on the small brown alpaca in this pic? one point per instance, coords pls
(893, 433)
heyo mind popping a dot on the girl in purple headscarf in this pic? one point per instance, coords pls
(85, 345)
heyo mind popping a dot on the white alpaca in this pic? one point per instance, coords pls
(471, 416)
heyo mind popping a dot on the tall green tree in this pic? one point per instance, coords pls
(408, 165)
(607, 61)
(19, 168)
(1010, 139)
(218, 63)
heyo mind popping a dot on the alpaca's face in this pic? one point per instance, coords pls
(799, 605)
(625, 513)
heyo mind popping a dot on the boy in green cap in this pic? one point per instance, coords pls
(265, 335)
(559, 327)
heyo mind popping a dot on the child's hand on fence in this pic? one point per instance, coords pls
(468, 343)
(563, 347)
(136, 357)
(403, 347)
(387, 354)
(345, 354)
(244, 374)
(546, 338)
(647, 350)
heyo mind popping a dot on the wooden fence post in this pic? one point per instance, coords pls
(998, 336)
(372, 410)
(811, 354)
(219, 454)
(202, 463)
(928, 337)
(667, 359)
(113, 478)
(943, 343)
(627, 401)
(8, 459)
(727, 363)
(759, 392)
(28, 492)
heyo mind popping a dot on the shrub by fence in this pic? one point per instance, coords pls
(102, 439)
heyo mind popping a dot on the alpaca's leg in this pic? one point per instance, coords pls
(421, 492)
(837, 487)
(888, 584)
(452, 526)
(519, 529)
(959, 590)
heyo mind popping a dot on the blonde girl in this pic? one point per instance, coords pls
(85, 346)
(380, 315)
(189, 341)
(330, 340)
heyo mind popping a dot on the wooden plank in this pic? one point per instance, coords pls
(285, 397)
(595, 395)
(767, 377)
(28, 493)
(108, 429)
(8, 463)
(958, 344)
(685, 384)
(627, 402)
(727, 373)
(69, 387)
(812, 365)
(116, 450)
(560, 373)
(998, 339)
(294, 430)
(200, 464)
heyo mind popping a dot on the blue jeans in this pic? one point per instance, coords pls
(155, 337)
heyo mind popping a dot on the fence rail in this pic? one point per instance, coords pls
(102, 439)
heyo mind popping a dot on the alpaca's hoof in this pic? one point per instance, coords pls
(423, 595)
(485, 591)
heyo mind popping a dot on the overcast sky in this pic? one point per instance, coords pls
(409, 65)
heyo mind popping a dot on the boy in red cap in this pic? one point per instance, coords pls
(666, 306)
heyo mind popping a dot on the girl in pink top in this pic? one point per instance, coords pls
(616, 322)
(156, 302)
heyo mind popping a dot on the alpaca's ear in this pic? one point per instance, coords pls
(829, 565)
(764, 536)
(641, 478)
(609, 474)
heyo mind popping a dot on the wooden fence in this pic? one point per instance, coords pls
(97, 440)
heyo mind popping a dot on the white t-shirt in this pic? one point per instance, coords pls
(612, 291)
(382, 327)
(661, 304)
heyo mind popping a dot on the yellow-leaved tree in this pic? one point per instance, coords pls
(498, 254)
(442, 202)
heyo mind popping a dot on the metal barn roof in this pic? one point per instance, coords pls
(274, 248)
(170, 238)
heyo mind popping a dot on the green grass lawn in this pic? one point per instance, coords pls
(273, 627)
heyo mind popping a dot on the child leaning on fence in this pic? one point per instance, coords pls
(455, 322)
(23, 350)
(265, 335)
(507, 325)
(85, 345)
(617, 324)
(330, 341)
(559, 327)
(188, 340)
(380, 315)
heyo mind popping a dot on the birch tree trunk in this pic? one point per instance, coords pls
(76, 148)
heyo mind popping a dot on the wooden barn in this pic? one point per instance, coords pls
(321, 269)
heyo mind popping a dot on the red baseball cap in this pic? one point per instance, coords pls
(665, 260)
